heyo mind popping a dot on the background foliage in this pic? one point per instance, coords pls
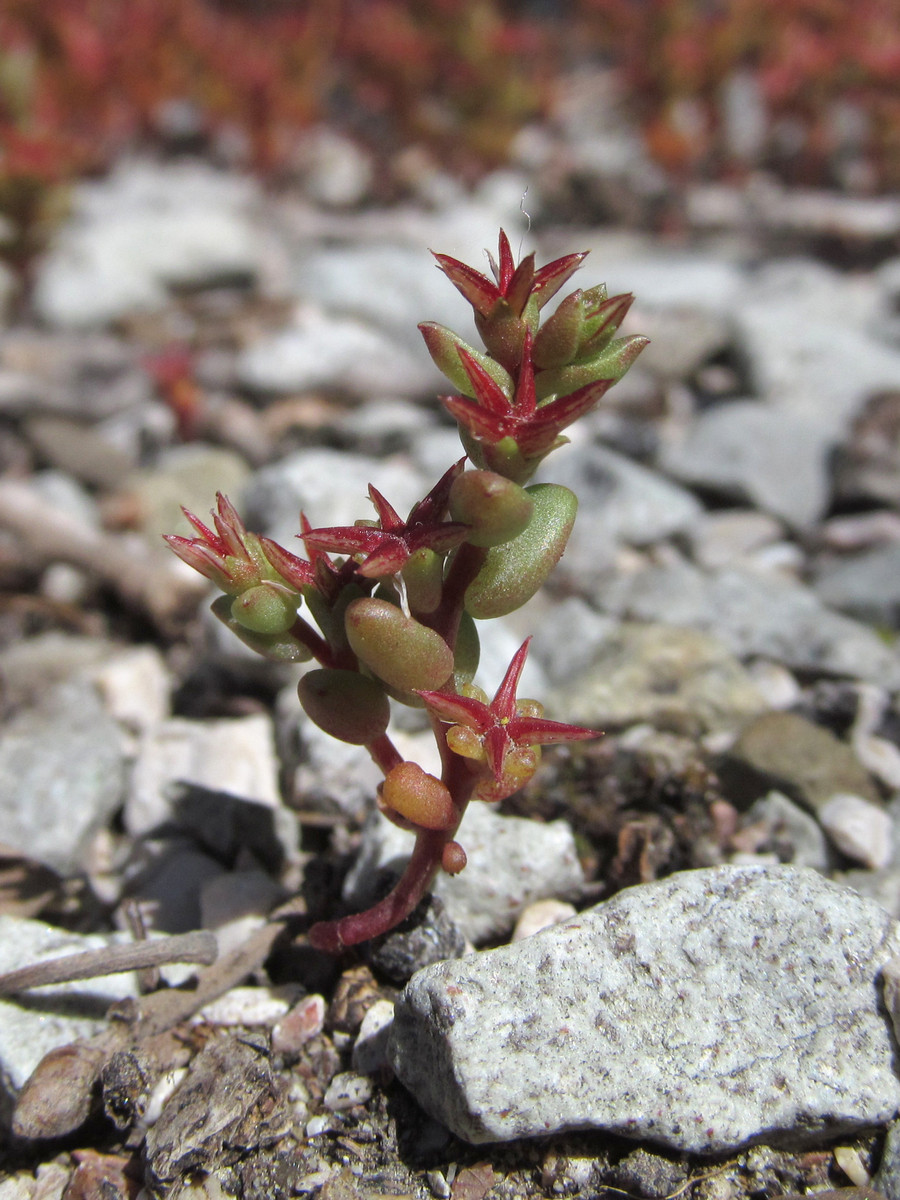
(82, 79)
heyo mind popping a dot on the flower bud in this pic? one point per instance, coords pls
(444, 346)
(419, 797)
(495, 508)
(611, 363)
(266, 608)
(453, 858)
(512, 573)
(276, 647)
(558, 340)
(348, 706)
(423, 575)
(397, 648)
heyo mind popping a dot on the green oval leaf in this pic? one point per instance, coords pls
(348, 706)
(397, 648)
(512, 573)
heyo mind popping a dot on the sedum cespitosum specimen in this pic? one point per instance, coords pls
(387, 607)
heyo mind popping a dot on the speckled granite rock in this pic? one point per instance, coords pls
(707, 1011)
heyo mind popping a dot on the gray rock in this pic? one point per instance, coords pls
(82, 450)
(323, 775)
(807, 761)
(754, 614)
(887, 1177)
(234, 756)
(329, 350)
(62, 775)
(673, 279)
(619, 502)
(566, 636)
(331, 487)
(810, 354)
(727, 537)
(706, 1011)
(866, 585)
(681, 339)
(881, 886)
(140, 231)
(188, 475)
(50, 1016)
(33, 667)
(788, 831)
(511, 863)
(389, 286)
(860, 829)
(772, 457)
(676, 679)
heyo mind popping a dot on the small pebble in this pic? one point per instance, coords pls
(321, 1123)
(249, 1006)
(346, 1090)
(880, 757)
(858, 828)
(850, 1162)
(300, 1025)
(541, 915)
(370, 1048)
(890, 976)
(776, 684)
(438, 1184)
(135, 686)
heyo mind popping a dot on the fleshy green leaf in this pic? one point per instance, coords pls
(495, 509)
(277, 647)
(348, 706)
(397, 648)
(512, 573)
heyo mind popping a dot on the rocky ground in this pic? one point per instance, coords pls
(726, 611)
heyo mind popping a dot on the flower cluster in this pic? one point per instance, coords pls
(387, 607)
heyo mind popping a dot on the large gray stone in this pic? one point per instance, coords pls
(769, 456)
(619, 502)
(62, 775)
(707, 1011)
(677, 679)
(754, 613)
(139, 232)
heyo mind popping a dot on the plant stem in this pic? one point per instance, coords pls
(384, 753)
(335, 936)
(466, 564)
(314, 642)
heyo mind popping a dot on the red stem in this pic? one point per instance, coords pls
(314, 642)
(384, 753)
(467, 562)
(335, 936)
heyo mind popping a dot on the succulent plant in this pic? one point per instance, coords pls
(393, 603)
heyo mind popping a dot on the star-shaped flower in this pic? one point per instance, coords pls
(515, 285)
(534, 428)
(235, 559)
(389, 543)
(503, 734)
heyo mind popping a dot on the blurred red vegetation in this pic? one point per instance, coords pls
(827, 74)
(81, 80)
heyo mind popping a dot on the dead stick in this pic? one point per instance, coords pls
(59, 1095)
(199, 946)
